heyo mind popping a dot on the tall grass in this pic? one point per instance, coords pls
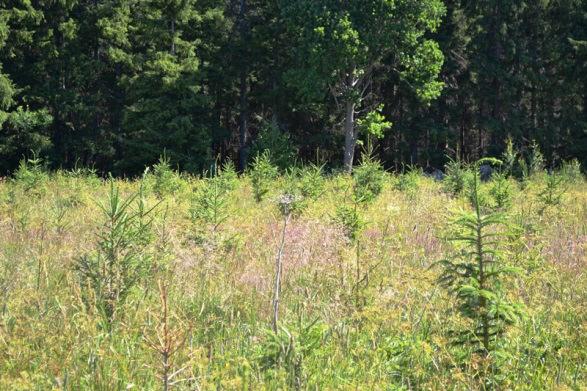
(357, 310)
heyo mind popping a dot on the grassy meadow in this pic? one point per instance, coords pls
(169, 282)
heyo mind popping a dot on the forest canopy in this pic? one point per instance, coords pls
(115, 84)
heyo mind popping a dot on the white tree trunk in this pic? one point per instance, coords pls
(350, 136)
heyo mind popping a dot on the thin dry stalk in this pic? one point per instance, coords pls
(278, 272)
(168, 341)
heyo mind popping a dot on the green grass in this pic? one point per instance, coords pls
(363, 314)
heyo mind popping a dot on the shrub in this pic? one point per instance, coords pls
(209, 204)
(228, 175)
(262, 174)
(535, 160)
(509, 158)
(301, 185)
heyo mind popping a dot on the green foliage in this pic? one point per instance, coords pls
(509, 158)
(350, 219)
(288, 349)
(304, 183)
(571, 171)
(475, 274)
(338, 38)
(189, 77)
(31, 174)
(120, 260)
(501, 190)
(292, 201)
(228, 175)
(277, 144)
(338, 47)
(553, 191)
(167, 180)
(374, 124)
(263, 174)
(209, 207)
(209, 204)
(22, 131)
(407, 182)
(368, 179)
(167, 108)
(311, 181)
(536, 162)
(456, 177)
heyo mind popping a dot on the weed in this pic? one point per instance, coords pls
(287, 349)
(168, 340)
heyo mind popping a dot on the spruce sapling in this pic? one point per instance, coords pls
(475, 275)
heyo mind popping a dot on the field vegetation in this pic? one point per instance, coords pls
(299, 279)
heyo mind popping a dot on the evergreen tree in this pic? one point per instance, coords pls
(166, 108)
(23, 123)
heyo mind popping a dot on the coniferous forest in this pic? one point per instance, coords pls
(113, 84)
(293, 195)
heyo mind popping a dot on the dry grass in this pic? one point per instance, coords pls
(386, 321)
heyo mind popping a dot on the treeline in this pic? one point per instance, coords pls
(113, 84)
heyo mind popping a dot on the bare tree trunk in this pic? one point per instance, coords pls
(350, 136)
(173, 37)
(243, 117)
(243, 123)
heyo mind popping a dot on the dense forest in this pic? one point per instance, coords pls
(114, 84)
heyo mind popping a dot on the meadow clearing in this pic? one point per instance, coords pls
(169, 281)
